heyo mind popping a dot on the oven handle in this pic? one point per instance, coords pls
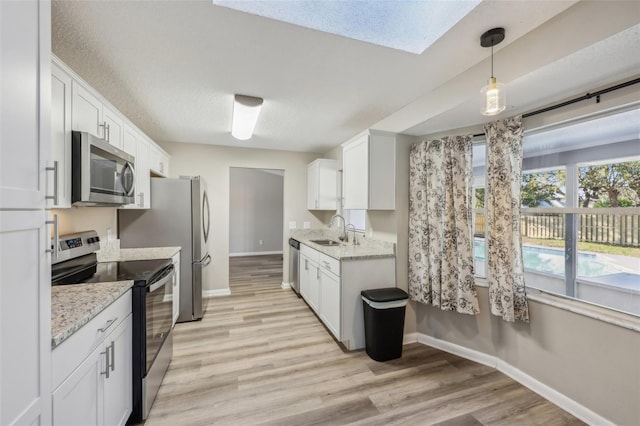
(153, 287)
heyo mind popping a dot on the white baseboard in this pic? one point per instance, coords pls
(217, 293)
(285, 285)
(547, 392)
(254, 253)
(409, 338)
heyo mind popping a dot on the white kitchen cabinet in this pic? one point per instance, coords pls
(92, 370)
(61, 83)
(176, 287)
(113, 127)
(369, 170)
(86, 111)
(330, 293)
(321, 185)
(136, 144)
(332, 287)
(309, 281)
(130, 140)
(25, 275)
(159, 161)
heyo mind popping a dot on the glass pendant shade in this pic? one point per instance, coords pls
(494, 98)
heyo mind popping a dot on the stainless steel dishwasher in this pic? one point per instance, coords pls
(294, 269)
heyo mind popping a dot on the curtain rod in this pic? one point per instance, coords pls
(578, 99)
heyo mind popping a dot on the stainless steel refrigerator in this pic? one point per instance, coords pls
(179, 216)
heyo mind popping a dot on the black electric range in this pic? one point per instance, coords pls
(152, 307)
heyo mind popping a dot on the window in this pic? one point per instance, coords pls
(580, 216)
(356, 218)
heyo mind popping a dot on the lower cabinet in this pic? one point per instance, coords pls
(98, 390)
(332, 287)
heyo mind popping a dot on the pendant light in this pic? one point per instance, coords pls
(494, 99)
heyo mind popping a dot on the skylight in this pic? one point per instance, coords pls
(408, 25)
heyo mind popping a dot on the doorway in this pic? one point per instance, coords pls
(256, 215)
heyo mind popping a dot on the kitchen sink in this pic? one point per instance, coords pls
(326, 242)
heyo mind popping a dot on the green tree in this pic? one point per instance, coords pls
(630, 172)
(542, 187)
(479, 192)
(604, 183)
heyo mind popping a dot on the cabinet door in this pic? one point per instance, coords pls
(176, 288)
(129, 140)
(163, 164)
(118, 399)
(25, 87)
(303, 267)
(356, 175)
(25, 318)
(79, 399)
(326, 192)
(114, 127)
(330, 306)
(313, 173)
(143, 179)
(86, 111)
(314, 286)
(60, 137)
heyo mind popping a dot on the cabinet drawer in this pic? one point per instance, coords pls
(71, 352)
(329, 263)
(312, 254)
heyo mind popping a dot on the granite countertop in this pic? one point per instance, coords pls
(72, 306)
(116, 254)
(368, 248)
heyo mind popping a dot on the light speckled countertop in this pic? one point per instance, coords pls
(368, 248)
(116, 254)
(72, 306)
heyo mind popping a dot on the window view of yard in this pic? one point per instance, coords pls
(580, 219)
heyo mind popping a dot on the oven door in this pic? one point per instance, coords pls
(159, 314)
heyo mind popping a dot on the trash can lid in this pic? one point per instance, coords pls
(385, 294)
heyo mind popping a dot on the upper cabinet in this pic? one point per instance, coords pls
(159, 161)
(60, 185)
(322, 185)
(76, 106)
(369, 172)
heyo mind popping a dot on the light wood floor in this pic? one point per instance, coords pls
(260, 356)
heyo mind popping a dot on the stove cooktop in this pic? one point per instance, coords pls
(141, 271)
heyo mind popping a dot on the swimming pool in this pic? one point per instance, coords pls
(551, 261)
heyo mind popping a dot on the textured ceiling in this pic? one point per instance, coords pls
(173, 66)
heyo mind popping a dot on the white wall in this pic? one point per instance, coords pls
(255, 211)
(213, 163)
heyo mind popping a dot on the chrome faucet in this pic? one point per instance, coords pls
(353, 228)
(343, 234)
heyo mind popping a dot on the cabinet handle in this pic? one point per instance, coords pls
(142, 199)
(326, 264)
(316, 204)
(306, 265)
(161, 167)
(108, 132)
(106, 370)
(56, 237)
(54, 197)
(104, 130)
(112, 346)
(317, 273)
(107, 325)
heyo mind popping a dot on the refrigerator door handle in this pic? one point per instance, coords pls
(206, 262)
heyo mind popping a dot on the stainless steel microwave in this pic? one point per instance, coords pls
(101, 174)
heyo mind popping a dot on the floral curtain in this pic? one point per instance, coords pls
(440, 235)
(505, 272)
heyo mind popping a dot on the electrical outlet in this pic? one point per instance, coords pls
(307, 225)
(292, 224)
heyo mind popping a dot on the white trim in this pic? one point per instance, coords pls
(547, 392)
(254, 253)
(216, 293)
(473, 355)
(410, 338)
(285, 285)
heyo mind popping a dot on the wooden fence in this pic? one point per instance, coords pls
(616, 229)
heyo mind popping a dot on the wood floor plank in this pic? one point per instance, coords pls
(261, 356)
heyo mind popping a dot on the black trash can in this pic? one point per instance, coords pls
(384, 322)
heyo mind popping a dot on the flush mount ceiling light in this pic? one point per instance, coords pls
(494, 99)
(246, 110)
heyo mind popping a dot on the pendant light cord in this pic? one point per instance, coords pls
(492, 61)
